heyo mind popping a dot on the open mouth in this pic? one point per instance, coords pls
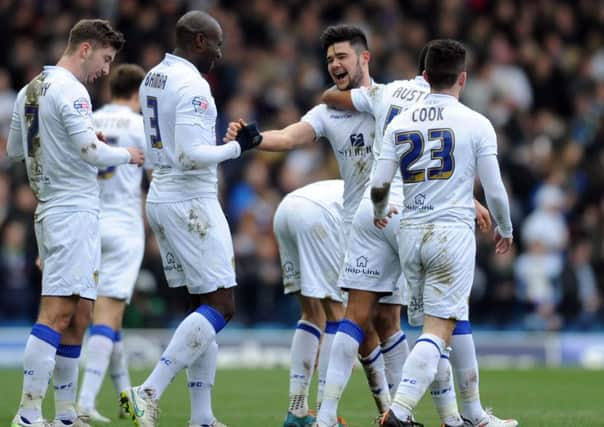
(340, 76)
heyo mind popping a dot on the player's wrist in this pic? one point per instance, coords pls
(236, 147)
(506, 233)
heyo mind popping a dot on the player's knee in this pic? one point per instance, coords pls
(227, 309)
(312, 311)
(387, 323)
(59, 321)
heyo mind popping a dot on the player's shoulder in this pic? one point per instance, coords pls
(479, 121)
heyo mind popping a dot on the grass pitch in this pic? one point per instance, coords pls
(258, 398)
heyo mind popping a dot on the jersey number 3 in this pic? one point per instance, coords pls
(444, 154)
(154, 123)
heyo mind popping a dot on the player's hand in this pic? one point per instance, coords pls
(136, 156)
(502, 244)
(249, 137)
(233, 130)
(382, 222)
(483, 217)
(101, 136)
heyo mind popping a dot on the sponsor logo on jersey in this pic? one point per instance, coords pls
(200, 104)
(82, 106)
(338, 116)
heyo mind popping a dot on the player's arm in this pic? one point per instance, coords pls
(385, 170)
(288, 138)
(341, 99)
(94, 151)
(497, 200)
(14, 146)
(483, 217)
(193, 150)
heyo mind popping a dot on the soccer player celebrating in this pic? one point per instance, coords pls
(440, 145)
(384, 102)
(122, 239)
(184, 213)
(351, 137)
(52, 130)
(308, 228)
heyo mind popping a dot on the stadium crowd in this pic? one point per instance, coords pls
(536, 71)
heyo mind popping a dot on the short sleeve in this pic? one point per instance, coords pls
(314, 117)
(388, 147)
(485, 142)
(75, 108)
(365, 99)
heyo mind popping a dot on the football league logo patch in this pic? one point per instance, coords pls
(200, 104)
(82, 106)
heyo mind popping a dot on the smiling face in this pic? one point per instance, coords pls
(345, 65)
(96, 61)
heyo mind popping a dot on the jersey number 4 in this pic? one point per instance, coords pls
(444, 154)
(154, 123)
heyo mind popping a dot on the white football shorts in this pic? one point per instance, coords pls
(438, 262)
(70, 251)
(122, 249)
(309, 239)
(195, 244)
(371, 262)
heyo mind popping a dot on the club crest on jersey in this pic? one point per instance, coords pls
(200, 104)
(82, 106)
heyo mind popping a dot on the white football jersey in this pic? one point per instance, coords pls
(120, 186)
(174, 92)
(48, 112)
(384, 102)
(351, 136)
(437, 143)
(327, 194)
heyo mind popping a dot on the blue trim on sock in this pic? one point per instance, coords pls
(444, 356)
(71, 351)
(117, 337)
(350, 328)
(463, 327)
(331, 327)
(103, 330)
(373, 359)
(310, 329)
(46, 334)
(430, 341)
(398, 341)
(213, 316)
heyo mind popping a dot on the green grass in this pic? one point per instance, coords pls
(258, 398)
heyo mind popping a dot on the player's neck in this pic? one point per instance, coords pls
(130, 103)
(70, 64)
(452, 91)
(366, 81)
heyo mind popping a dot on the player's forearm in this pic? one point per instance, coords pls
(14, 147)
(495, 193)
(97, 153)
(380, 186)
(206, 155)
(338, 99)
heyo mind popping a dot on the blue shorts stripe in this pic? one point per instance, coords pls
(331, 327)
(430, 341)
(71, 351)
(463, 327)
(310, 329)
(213, 316)
(46, 334)
(104, 330)
(398, 341)
(350, 328)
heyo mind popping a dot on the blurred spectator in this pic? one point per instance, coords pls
(536, 69)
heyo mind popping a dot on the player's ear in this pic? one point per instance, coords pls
(366, 56)
(199, 41)
(461, 79)
(425, 76)
(85, 49)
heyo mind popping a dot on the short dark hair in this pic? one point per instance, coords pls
(421, 60)
(125, 80)
(445, 60)
(95, 31)
(344, 33)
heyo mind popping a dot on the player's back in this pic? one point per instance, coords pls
(327, 195)
(120, 186)
(174, 93)
(438, 142)
(384, 102)
(53, 107)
